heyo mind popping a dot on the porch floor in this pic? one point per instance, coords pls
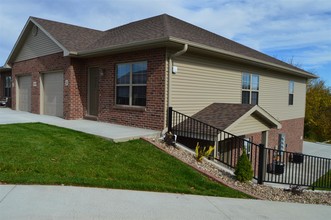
(114, 132)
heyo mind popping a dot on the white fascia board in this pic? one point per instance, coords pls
(17, 42)
(23, 33)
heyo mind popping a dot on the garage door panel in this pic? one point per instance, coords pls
(24, 93)
(53, 94)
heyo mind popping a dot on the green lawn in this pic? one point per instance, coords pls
(36, 153)
(324, 180)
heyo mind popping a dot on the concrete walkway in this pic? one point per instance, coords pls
(113, 132)
(63, 202)
(317, 149)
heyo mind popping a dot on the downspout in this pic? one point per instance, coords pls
(170, 70)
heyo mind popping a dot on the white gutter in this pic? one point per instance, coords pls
(170, 70)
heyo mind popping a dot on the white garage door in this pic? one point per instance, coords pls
(53, 94)
(24, 93)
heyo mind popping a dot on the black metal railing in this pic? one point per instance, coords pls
(297, 169)
(269, 165)
(229, 147)
(186, 126)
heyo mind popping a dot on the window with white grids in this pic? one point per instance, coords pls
(250, 89)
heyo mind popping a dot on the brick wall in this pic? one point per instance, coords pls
(75, 94)
(152, 116)
(293, 130)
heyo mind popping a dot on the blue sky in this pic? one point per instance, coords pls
(297, 30)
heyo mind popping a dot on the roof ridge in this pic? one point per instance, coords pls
(134, 22)
(145, 29)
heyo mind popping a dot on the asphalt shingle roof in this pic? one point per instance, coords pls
(222, 115)
(75, 38)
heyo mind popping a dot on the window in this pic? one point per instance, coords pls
(7, 86)
(250, 89)
(131, 81)
(248, 145)
(290, 93)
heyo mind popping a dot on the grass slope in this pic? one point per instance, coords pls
(325, 181)
(36, 153)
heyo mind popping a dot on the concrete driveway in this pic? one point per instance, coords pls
(113, 132)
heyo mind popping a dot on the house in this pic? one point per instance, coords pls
(131, 74)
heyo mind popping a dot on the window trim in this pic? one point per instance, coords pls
(250, 87)
(130, 85)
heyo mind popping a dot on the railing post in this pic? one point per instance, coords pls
(170, 119)
(261, 167)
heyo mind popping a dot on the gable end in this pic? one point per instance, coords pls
(36, 44)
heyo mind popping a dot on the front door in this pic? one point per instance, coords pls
(93, 91)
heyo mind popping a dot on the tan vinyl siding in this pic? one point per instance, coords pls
(36, 46)
(249, 125)
(200, 83)
(274, 93)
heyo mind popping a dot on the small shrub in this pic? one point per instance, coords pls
(201, 152)
(244, 171)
